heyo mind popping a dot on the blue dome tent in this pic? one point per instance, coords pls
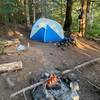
(47, 30)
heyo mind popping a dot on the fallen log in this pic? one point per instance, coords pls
(81, 65)
(11, 66)
(42, 82)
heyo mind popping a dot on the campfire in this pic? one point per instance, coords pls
(55, 88)
(46, 88)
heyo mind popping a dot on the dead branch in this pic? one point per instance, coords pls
(81, 65)
(27, 88)
(11, 66)
(93, 84)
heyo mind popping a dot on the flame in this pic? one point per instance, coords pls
(53, 80)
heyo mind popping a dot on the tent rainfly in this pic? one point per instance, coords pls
(47, 30)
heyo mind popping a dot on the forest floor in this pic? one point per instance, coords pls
(41, 57)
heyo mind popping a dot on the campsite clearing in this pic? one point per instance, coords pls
(42, 57)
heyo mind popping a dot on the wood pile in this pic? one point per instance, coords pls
(6, 43)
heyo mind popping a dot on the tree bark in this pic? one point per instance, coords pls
(83, 19)
(27, 14)
(34, 11)
(68, 18)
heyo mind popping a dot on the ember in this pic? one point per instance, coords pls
(52, 81)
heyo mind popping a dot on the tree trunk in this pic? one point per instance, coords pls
(68, 19)
(83, 19)
(6, 19)
(90, 15)
(34, 11)
(27, 14)
(61, 12)
(44, 8)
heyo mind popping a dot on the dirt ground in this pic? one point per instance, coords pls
(41, 57)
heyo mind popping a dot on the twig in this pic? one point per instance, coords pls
(89, 81)
(25, 96)
(81, 65)
(93, 84)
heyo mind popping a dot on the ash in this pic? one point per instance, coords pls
(59, 90)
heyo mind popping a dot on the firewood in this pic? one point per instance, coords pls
(9, 42)
(13, 66)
